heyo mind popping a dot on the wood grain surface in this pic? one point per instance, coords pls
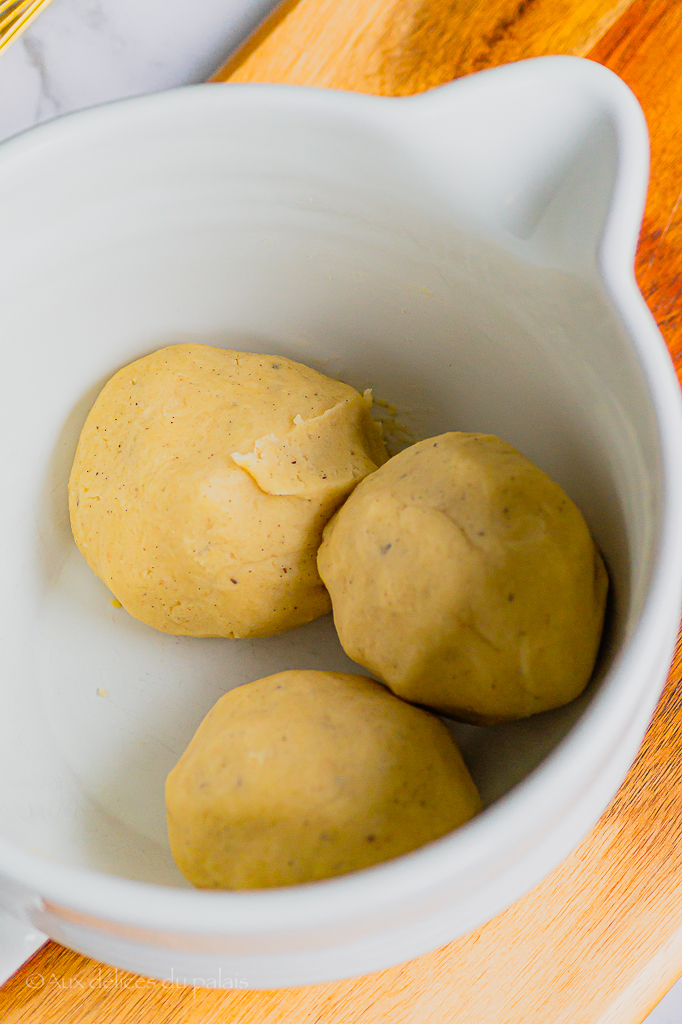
(397, 47)
(600, 940)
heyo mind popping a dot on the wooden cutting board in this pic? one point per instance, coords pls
(600, 940)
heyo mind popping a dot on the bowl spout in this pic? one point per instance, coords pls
(541, 151)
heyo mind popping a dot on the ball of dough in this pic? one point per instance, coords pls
(203, 479)
(467, 580)
(307, 775)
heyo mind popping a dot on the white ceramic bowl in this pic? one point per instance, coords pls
(468, 254)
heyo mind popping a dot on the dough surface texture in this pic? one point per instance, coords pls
(467, 580)
(306, 775)
(202, 481)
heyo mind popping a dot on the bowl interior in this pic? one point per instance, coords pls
(269, 227)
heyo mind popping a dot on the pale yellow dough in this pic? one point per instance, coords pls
(306, 775)
(203, 479)
(464, 577)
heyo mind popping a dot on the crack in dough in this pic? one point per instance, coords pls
(329, 453)
(213, 466)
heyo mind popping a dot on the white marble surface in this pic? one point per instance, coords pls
(18, 942)
(669, 1010)
(82, 52)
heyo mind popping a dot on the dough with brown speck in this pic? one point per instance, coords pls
(467, 580)
(305, 775)
(203, 479)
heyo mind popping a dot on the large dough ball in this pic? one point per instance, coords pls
(203, 479)
(467, 580)
(307, 775)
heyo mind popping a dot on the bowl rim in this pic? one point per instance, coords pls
(466, 854)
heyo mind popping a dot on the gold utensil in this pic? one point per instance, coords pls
(15, 15)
